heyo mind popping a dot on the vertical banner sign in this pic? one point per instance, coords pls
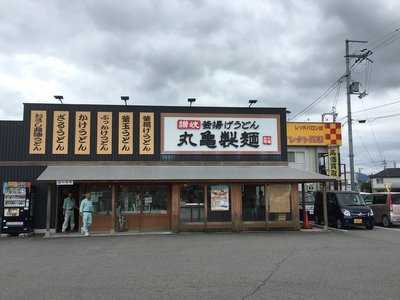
(37, 143)
(146, 133)
(60, 132)
(333, 162)
(82, 133)
(125, 133)
(104, 133)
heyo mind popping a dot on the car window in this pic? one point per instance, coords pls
(331, 199)
(350, 199)
(368, 198)
(379, 199)
(395, 198)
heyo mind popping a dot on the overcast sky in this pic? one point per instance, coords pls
(283, 53)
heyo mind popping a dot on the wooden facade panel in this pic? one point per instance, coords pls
(236, 206)
(295, 204)
(175, 205)
(279, 198)
(102, 223)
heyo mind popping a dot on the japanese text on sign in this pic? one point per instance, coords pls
(313, 134)
(146, 133)
(226, 134)
(125, 138)
(82, 132)
(60, 132)
(104, 133)
(37, 143)
(333, 162)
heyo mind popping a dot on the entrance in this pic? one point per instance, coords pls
(62, 193)
(253, 202)
(143, 207)
(101, 196)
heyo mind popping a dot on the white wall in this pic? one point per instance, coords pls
(393, 182)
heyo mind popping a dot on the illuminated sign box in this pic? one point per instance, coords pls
(220, 134)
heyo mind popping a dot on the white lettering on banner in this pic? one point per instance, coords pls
(214, 134)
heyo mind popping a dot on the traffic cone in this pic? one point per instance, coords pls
(306, 224)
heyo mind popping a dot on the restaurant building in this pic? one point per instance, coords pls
(156, 168)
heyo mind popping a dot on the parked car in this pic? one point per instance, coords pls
(345, 209)
(386, 207)
(309, 203)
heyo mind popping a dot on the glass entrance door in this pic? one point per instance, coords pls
(101, 196)
(142, 207)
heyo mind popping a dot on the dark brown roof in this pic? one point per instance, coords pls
(387, 173)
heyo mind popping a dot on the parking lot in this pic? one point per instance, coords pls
(346, 264)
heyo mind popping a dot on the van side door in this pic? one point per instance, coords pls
(379, 207)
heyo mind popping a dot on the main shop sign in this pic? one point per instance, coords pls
(220, 134)
(84, 132)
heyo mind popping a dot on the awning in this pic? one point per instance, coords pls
(181, 173)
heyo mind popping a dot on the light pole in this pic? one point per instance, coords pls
(125, 99)
(252, 102)
(191, 101)
(59, 98)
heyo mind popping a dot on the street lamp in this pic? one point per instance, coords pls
(125, 99)
(59, 98)
(252, 102)
(191, 100)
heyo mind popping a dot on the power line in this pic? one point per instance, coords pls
(376, 142)
(319, 98)
(384, 117)
(391, 38)
(374, 107)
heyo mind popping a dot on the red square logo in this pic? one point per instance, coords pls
(267, 140)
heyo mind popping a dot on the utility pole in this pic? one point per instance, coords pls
(349, 92)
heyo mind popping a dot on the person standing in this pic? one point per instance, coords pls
(68, 210)
(86, 211)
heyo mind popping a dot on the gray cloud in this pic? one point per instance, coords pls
(285, 53)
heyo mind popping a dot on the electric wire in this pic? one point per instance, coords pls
(372, 108)
(319, 98)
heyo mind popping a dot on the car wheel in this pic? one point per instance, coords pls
(339, 224)
(385, 221)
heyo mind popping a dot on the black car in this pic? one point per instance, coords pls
(345, 209)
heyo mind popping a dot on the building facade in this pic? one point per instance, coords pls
(315, 147)
(387, 179)
(155, 168)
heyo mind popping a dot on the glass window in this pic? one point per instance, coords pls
(368, 198)
(379, 199)
(192, 204)
(291, 156)
(253, 203)
(155, 199)
(379, 180)
(219, 203)
(300, 157)
(134, 199)
(350, 199)
(129, 200)
(101, 198)
(396, 199)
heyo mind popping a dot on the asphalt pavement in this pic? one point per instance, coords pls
(353, 264)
